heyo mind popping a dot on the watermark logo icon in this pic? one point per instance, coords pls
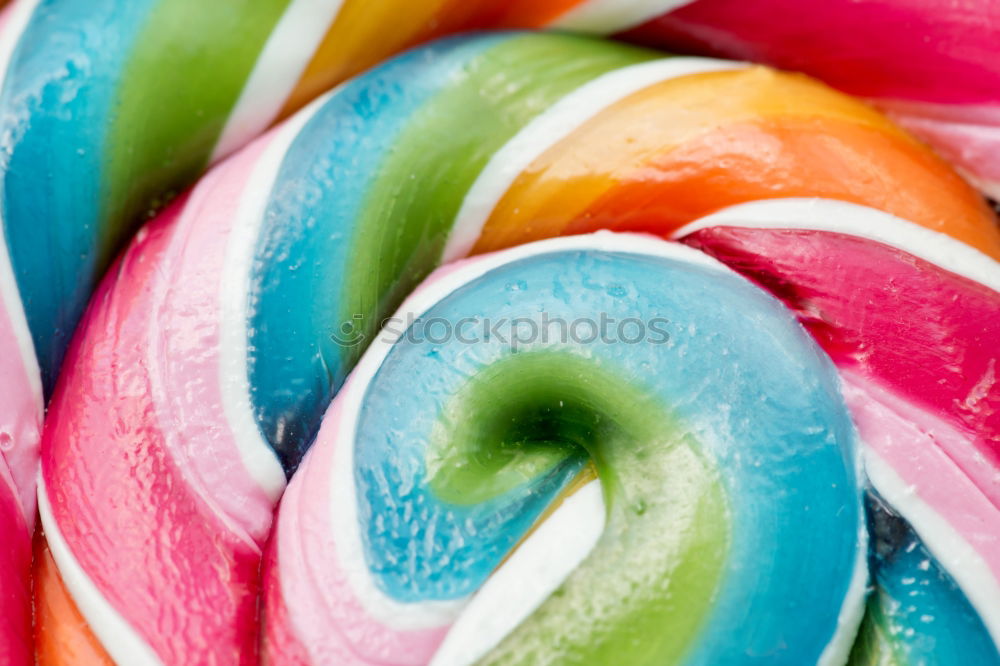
(350, 333)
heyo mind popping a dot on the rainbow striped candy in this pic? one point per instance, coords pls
(207, 359)
(726, 522)
(110, 109)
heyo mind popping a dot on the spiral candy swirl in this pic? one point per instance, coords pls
(711, 448)
(206, 361)
(110, 108)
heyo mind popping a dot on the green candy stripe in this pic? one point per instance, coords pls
(874, 645)
(647, 587)
(181, 81)
(412, 204)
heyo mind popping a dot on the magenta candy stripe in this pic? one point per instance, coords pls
(85, 444)
(872, 49)
(20, 431)
(927, 335)
(15, 570)
(915, 345)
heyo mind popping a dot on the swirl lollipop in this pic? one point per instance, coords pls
(208, 357)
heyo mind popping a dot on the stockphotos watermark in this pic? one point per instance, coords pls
(517, 332)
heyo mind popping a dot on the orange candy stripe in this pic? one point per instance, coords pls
(686, 147)
(61, 634)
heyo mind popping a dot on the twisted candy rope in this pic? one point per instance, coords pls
(157, 510)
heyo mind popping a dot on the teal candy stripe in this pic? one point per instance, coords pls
(57, 101)
(110, 109)
(916, 614)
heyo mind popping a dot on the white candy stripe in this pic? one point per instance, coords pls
(848, 218)
(550, 127)
(284, 58)
(988, 187)
(527, 578)
(608, 16)
(17, 19)
(257, 455)
(343, 501)
(852, 612)
(116, 635)
(970, 571)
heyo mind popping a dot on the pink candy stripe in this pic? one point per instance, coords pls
(130, 498)
(927, 50)
(20, 426)
(914, 446)
(967, 136)
(183, 350)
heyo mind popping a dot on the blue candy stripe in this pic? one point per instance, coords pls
(311, 217)
(917, 614)
(58, 102)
